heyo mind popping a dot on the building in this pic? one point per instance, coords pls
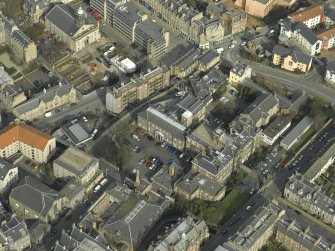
(295, 134)
(130, 220)
(327, 38)
(9, 176)
(256, 231)
(35, 9)
(14, 234)
(296, 232)
(73, 193)
(311, 16)
(45, 101)
(76, 164)
(137, 89)
(291, 59)
(310, 198)
(237, 147)
(10, 95)
(137, 28)
(329, 15)
(77, 239)
(258, 8)
(203, 31)
(32, 143)
(330, 72)
(71, 27)
(33, 200)
(238, 73)
(23, 47)
(198, 186)
(235, 21)
(106, 8)
(261, 110)
(187, 234)
(275, 129)
(302, 35)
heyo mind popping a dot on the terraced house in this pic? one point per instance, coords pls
(24, 48)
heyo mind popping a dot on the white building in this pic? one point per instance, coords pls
(9, 176)
(272, 133)
(307, 39)
(330, 73)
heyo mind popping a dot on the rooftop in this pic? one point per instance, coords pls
(276, 126)
(305, 14)
(76, 161)
(5, 167)
(24, 133)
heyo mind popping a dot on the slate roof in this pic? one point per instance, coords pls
(131, 223)
(163, 121)
(301, 57)
(307, 33)
(44, 97)
(208, 57)
(329, 12)
(331, 67)
(5, 167)
(260, 107)
(65, 18)
(35, 195)
(281, 50)
(14, 229)
(20, 37)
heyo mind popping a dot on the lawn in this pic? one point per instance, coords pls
(232, 203)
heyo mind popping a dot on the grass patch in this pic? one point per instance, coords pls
(4, 49)
(304, 138)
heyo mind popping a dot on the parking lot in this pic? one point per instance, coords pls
(149, 156)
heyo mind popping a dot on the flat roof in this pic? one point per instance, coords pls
(276, 126)
(296, 132)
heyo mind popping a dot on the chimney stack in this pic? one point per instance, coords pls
(171, 170)
(138, 177)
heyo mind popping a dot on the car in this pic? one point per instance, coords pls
(85, 119)
(164, 144)
(98, 59)
(234, 41)
(231, 46)
(153, 159)
(252, 191)
(230, 238)
(135, 148)
(223, 232)
(301, 157)
(181, 156)
(248, 208)
(141, 161)
(252, 204)
(243, 43)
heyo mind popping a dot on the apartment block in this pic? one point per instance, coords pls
(238, 73)
(106, 8)
(9, 176)
(310, 198)
(258, 8)
(31, 142)
(275, 129)
(311, 16)
(20, 43)
(137, 89)
(330, 72)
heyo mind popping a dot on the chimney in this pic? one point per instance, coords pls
(16, 121)
(138, 177)
(171, 170)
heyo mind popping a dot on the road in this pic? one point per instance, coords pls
(309, 82)
(90, 102)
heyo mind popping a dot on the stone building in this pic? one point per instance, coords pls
(33, 200)
(45, 101)
(71, 27)
(23, 47)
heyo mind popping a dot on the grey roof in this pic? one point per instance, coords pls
(239, 68)
(38, 230)
(14, 230)
(45, 97)
(79, 133)
(78, 240)
(192, 104)
(261, 106)
(66, 19)
(4, 77)
(133, 220)
(307, 33)
(76, 161)
(128, 11)
(296, 132)
(208, 57)
(287, 23)
(35, 195)
(5, 167)
(331, 67)
(119, 192)
(176, 54)
(276, 126)
(20, 37)
(8, 23)
(151, 29)
(164, 122)
(300, 57)
(329, 12)
(194, 181)
(186, 231)
(281, 50)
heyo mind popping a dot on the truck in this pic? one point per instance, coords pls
(103, 182)
(97, 188)
(48, 114)
(136, 137)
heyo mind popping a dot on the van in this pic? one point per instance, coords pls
(97, 188)
(103, 182)
(136, 137)
(48, 114)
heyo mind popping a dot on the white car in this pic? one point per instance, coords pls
(85, 119)
(234, 42)
(243, 43)
(248, 208)
(231, 46)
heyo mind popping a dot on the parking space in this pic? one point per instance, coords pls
(150, 155)
(271, 164)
